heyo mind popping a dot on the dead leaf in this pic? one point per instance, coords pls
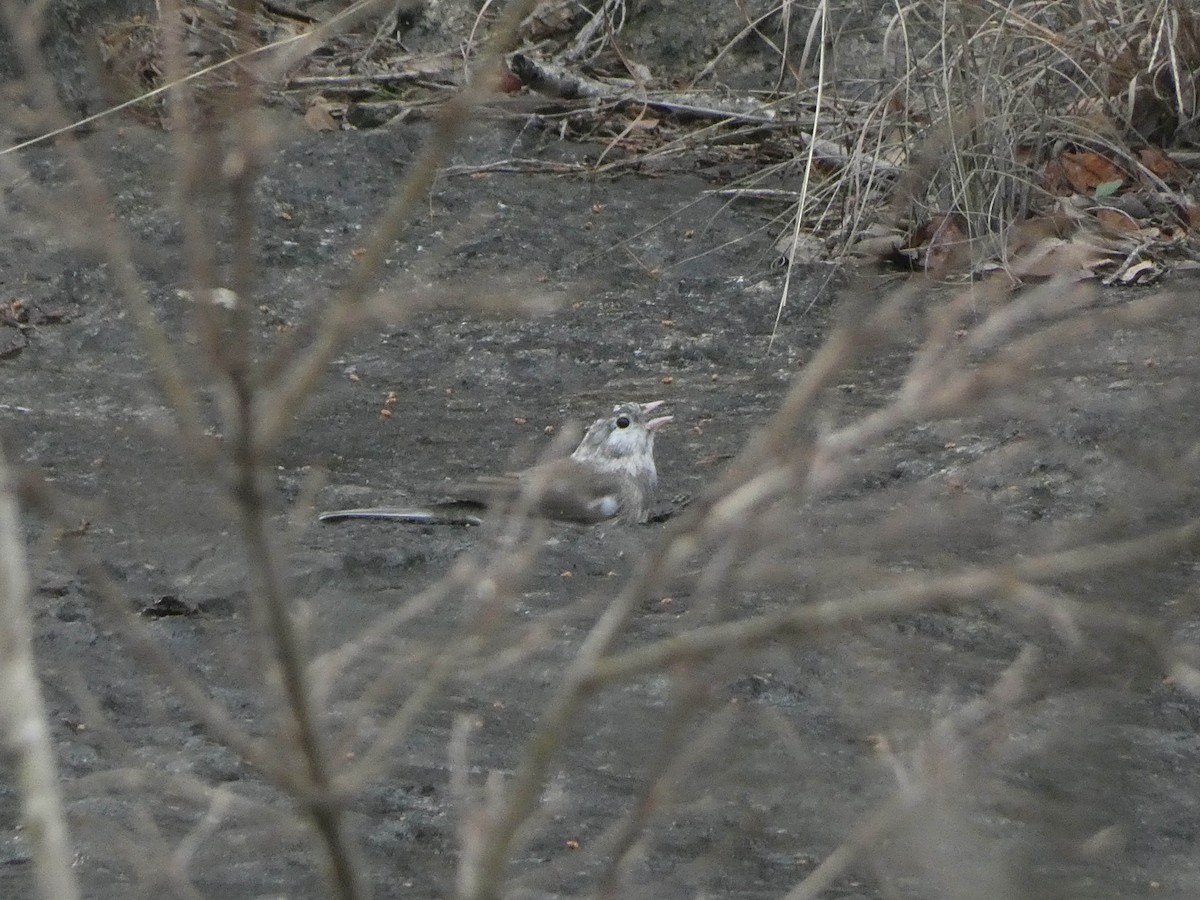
(1161, 166)
(645, 122)
(941, 243)
(1055, 257)
(1025, 235)
(1114, 220)
(1081, 172)
(319, 118)
(1141, 272)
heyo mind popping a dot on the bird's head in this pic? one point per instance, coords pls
(623, 440)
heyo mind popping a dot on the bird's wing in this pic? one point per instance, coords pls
(562, 490)
(487, 490)
(584, 497)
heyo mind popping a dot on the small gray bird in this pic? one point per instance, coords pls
(611, 475)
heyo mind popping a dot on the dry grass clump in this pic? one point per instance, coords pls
(988, 129)
(981, 109)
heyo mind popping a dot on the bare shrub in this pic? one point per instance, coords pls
(812, 540)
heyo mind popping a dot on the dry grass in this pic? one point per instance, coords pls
(976, 102)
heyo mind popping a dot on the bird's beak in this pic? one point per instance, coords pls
(655, 424)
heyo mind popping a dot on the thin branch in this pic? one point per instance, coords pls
(1013, 687)
(23, 726)
(148, 651)
(909, 595)
(298, 377)
(25, 27)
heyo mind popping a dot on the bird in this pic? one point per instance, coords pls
(610, 476)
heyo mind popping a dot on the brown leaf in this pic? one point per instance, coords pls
(1024, 155)
(1116, 221)
(1162, 166)
(1054, 257)
(1079, 172)
(1025, 235)
(942, 243)
(319, 118)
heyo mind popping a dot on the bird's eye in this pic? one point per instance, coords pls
(622, 421)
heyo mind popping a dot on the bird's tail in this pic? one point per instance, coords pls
(437, 514)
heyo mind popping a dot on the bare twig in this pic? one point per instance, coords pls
(25, 26)
(299, 374)
(908, 595)
(23, 726)
(930, 775)
(145, 648)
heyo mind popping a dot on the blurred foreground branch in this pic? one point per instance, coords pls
(23, 726)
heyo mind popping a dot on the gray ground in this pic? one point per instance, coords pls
(1090, 790)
